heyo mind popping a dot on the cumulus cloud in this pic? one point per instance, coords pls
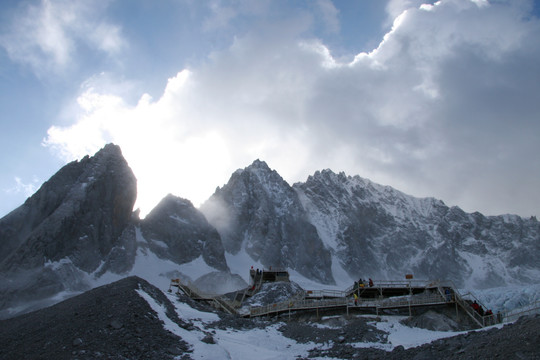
(46, 35)
(445, 107)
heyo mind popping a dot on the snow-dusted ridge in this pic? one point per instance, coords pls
(377, 231)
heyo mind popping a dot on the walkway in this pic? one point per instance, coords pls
(191, 290)
(384, 295)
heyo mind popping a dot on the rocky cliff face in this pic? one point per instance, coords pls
(79, 213)
(67, 227)
(175, 230)
(380, 232)
(259, 213)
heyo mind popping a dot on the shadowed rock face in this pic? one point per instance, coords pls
(259, 212)
(175, 230)
(79, 213)
(68, 226)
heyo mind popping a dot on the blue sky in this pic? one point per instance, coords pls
(435, 99)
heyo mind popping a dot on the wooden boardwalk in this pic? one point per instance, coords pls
(346, 304)
(382, 296)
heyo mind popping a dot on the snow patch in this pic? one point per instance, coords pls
(399, 334)
(231, 344)
(160, 243)
(57, 265)
(179, 219)
(186, 312)
(157, 271)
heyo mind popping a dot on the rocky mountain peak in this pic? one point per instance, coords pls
(259, 174)
(259, 164)
(176, 230)
(171, 205)
(259, 213)
(71, 223)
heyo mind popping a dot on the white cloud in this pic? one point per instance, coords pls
(329, 15)
(46, 36)
(394, 8)
(20, 187)
(222, 13)
(422, 112)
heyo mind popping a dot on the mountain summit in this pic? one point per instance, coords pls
(259, 214)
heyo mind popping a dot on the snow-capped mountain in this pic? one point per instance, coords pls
(259, 214)
(377, 231)
(79, 231)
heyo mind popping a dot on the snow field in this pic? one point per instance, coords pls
(263, 344)
(269, 343)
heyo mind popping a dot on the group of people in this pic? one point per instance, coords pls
(478, 308)
(361, 283)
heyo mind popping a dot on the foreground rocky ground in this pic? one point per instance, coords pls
(115, 322)
(109, 322)
(520, 340)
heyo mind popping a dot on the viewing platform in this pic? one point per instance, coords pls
(375, 297)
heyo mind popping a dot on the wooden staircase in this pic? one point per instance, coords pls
(191, 290)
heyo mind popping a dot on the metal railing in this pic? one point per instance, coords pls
(386, 303)
(296, 305)
(325, 293)
(480, 320)
(515, 314)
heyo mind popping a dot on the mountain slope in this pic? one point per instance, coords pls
(378, 231)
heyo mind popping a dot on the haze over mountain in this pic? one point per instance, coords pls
(79, 231)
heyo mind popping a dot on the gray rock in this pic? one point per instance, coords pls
(116, 324)
(259, 212)
(208, 339)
